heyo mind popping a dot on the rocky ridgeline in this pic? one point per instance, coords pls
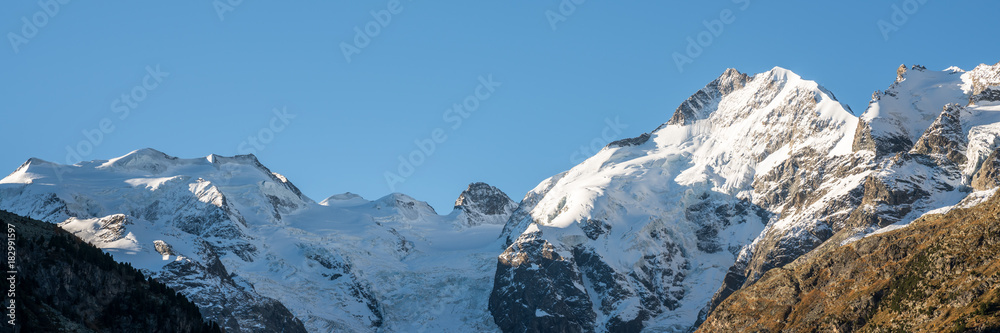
(936, 275)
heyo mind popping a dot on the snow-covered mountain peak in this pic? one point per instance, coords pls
(24, 175)
(637, 222)
(781, 74)
(247, 159)
(898, 116)
(954, 69)
(703, 102)
(346, 199)
(486, 198)
(405, 206)
(146, 159)
(481, 203)
(237, 238)
(983, 84)
(769, 96)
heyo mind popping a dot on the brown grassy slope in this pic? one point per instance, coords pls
(940, 274)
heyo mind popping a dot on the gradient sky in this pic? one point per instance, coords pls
(223, 76)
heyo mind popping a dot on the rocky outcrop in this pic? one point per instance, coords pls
(944, 137)
(988, 175)
(705, 100)
(539, 290)
(221, 296)
(882, 146)
(985, 84)
(641, 139)
(935, 275)
(484, 204)
(897, 116)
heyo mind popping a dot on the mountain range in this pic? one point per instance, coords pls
(746, 208)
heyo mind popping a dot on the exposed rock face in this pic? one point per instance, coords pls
(944, 137)
(228, 301)
(984, 84)
(900, 72)
(699, 105)
(163, 248)
(484, 204)
(935, 275)
(991, 94)
(641, 139)
(988, 175)
(897, 117)
(558, 301)
(887, 144)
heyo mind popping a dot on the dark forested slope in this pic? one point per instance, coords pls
(66, 285)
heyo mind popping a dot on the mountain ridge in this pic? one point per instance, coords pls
(748, 175)
(227, 232)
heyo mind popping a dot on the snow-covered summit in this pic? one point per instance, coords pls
(748, 174)
(345, 199)
(704, 101)
(896, 117)
(646, 228)
(481, 203)
(147, 159)
(983, 83)
(405, 206)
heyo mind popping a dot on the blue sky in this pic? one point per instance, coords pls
(213, 77)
